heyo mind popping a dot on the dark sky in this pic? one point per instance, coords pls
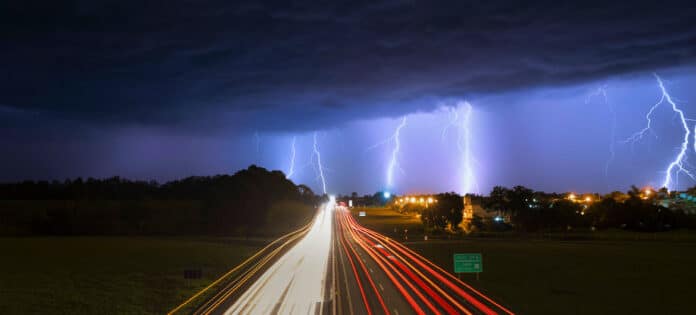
(165, 89)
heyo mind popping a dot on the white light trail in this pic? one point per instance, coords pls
(677, 165)
(295, 284)
(293, 152)
(320, 167)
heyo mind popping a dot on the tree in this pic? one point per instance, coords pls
(446, 213)
(499, 199)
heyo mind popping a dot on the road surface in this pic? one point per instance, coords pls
(340, 267)
(296, 283)
(377, 275)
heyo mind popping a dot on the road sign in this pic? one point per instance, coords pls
(468, 263)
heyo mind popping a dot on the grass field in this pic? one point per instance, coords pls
(389, 222)
(568, 277)
(109, 275)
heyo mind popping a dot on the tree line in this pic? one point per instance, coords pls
(526, 210)
(251, 201)
(637, 210)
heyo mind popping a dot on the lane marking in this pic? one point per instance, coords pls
(380, 286)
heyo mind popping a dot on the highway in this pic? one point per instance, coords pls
(336, 266)
(296, 283)
(380, 276)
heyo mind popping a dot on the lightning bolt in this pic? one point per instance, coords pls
(453, 118)
(293, 151)
(257, 139)
(317, 154)
(602, 91)
(677, 165)
(459, 117)
(393, 162)
(464, 145)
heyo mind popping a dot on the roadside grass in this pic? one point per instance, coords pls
(389, 222)
(110, 275)
(551, 276)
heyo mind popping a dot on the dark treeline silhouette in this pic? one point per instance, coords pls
(525, 210)
(446, 213)
(530, 210)
(250, 202)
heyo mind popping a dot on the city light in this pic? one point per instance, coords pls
(386, 194)
(646, 193)
(427, 200)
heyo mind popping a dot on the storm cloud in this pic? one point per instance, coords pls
(207, 65)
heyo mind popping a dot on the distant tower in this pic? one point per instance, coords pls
(468, 211)
(467, 214)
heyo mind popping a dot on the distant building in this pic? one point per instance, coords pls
(474, 209)
(468, 210)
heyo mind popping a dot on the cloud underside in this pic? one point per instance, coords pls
(213, 63)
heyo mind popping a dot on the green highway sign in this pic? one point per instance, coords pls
(468, 263)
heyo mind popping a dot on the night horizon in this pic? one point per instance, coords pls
(347, 157)
(82, 100)
(579, 134)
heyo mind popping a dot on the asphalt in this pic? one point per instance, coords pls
(340, 267)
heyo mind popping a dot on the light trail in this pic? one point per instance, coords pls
(293, 152)
(677, 165)
(602, 91)
(419, 281)
(295, 284)
(317, 155)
